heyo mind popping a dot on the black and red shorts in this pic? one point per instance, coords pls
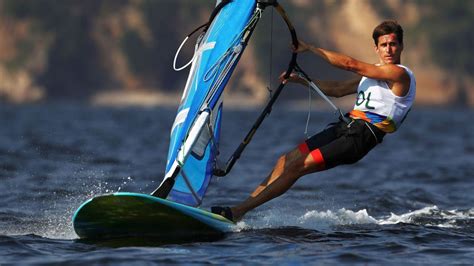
(342, 143)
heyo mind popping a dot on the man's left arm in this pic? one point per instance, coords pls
(389, 72)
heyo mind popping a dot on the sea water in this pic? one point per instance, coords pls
(409, 201)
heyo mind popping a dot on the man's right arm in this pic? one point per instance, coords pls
(338, 88)
(331, 88)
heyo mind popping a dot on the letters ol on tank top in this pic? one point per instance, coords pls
(377, 104)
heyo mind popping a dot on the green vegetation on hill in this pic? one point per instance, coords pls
(448, 27)
(79, 38)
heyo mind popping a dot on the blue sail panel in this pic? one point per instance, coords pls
(216, 55)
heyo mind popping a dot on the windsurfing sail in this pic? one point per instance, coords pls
(195, 132)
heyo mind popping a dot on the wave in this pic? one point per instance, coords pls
(433, 216)
(324, 220)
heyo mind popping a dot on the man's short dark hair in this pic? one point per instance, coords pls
(387, 27)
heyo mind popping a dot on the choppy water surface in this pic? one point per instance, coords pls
(409, 201)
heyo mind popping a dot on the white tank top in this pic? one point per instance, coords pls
(378, 105)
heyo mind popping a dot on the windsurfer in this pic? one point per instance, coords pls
(385, 94)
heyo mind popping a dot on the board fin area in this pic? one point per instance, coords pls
(123, 214)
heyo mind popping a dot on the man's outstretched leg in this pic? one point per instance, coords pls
(287, 170)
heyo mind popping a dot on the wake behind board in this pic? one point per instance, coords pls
(126, 214)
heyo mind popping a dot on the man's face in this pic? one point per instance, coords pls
(389, 49)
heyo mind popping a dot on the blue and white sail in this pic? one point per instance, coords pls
(196, 130)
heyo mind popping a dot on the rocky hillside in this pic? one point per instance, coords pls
(121, 51)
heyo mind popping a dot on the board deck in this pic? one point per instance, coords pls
(125, 214)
